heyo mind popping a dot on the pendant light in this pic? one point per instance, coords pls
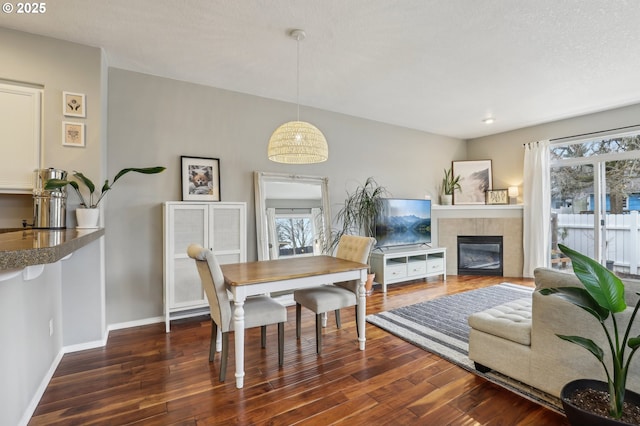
(298, 142)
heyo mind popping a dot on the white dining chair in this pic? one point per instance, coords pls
(259, 311)
(334, 297)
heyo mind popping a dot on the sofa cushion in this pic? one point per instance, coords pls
(511, 321)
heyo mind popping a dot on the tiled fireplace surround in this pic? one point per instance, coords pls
(476, 221)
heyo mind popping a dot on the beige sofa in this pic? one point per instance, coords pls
(528, 350)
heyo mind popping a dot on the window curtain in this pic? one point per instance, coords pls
(537, 207)
(316, 214)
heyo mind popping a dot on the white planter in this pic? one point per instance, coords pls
(87, 218)
(446, 200)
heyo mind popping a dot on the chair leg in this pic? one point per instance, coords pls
(298, 318)
(318, 334)
(280, 344)
(214, 336)
(263, 336)
(338, 323)
(224, 356)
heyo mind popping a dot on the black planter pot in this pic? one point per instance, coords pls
(578, 416)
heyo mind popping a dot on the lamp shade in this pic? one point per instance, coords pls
(297, 142)
(513, 191)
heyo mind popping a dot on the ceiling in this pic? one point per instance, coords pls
(440, 66)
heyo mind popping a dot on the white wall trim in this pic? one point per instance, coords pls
(31, 408)
(136, 323)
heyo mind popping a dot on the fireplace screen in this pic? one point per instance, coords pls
(480, 255)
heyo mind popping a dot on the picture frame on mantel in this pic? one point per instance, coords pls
(497, 196)
(475, 180)
(200, 178)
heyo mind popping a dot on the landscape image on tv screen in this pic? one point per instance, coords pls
(403, 222)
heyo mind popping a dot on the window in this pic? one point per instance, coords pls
(295, 234)
(595, 198)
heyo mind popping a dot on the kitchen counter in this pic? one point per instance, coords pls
(19, 249)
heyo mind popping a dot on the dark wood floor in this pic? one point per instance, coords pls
(144, 376)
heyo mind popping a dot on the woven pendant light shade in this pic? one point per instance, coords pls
(298, 142)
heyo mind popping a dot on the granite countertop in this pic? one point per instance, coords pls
(22, 248)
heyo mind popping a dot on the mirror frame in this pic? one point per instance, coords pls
(262, 178)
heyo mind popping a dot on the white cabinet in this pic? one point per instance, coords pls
(219, 226)
(405, 264)
(19, 137)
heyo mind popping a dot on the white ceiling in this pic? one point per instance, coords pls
(435, 65)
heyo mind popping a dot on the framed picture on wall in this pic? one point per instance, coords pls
(497, 196)
(73, 104)
(200, 178)
(72, 134)
(475, 181)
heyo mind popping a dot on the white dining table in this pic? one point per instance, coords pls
(267, 276)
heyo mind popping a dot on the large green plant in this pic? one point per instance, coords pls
(359, 211)
(603, 297)
(449, 182)
(59, 183)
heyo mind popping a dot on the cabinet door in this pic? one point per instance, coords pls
(19, 137)
(228, 232)
(188, 224)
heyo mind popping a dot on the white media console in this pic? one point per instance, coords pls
(395, 265)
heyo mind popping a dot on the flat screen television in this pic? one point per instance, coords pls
(402, 222)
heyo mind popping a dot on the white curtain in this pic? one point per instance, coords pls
(537, 207)
(318, 234)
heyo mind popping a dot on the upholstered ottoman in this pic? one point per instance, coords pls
(501, 336)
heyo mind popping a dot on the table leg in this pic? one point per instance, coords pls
(362, 309)
(238, 324)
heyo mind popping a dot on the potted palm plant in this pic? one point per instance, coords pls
(87, 215)
(449, 184)
(358, 215)
(603, 297)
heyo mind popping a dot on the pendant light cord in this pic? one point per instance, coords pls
(298, 74)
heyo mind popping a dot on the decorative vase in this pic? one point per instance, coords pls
(446, 199)
(579, 416)
(87, 218)
(368, 286)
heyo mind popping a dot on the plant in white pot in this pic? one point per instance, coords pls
(87, 216)
(603, 297)
(449, 184)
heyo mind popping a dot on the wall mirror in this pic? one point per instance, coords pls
(292, 215)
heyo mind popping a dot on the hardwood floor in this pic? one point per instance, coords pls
(146, 377)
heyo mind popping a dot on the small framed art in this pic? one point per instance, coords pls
(73, 104)
(475, 180)
(72, 134)
(200, 178)
(497, 196)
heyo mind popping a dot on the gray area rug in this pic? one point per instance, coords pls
(440, 326)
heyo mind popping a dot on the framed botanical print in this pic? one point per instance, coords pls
(73, 104)
(475, 181)
(200, 178)
(72, 134)
(497, 196)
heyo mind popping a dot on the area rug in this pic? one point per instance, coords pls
(440, 326)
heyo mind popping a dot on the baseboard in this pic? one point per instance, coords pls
(31, 408)
(136, 323)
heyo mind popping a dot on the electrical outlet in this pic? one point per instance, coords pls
(51, 327)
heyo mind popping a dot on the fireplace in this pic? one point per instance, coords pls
(480, 255)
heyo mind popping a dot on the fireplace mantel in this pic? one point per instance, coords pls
(501, 220)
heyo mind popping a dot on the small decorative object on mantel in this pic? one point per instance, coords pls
(475, 180)
(200, 178)
(497, 196)
(73, 104)
(90, 219)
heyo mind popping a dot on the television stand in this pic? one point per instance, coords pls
(408, 263)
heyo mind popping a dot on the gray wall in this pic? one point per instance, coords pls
(507, 153)
(58, 66)
(153, 121)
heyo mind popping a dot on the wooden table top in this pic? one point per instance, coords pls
(237, 274)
